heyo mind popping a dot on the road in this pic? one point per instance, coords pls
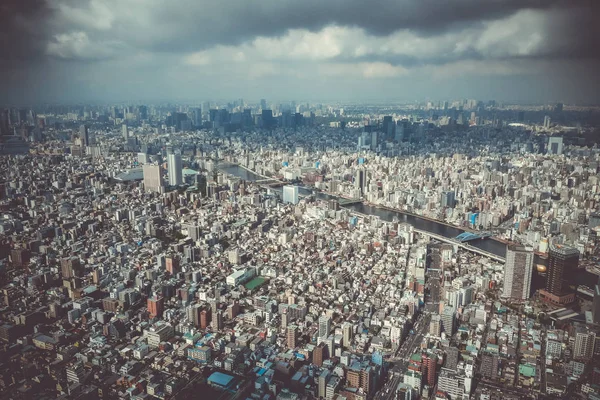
(402, 355)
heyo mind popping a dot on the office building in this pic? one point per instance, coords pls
(562, 267)
(447, 199)
(452, 354)
(429, 369)
(125, 132)
(156, 305)
(347, 330)
(194, 313)
(292, 336)
(84, 135)
(547, 122)
(489, 365)
(322, 383)
(414, 380)
(596, 304)
(71, 268)
(217, 320)
(517, 272)
(585, 339)
(153, 178)
(175, 169)
(324, 326)
(435, 325)
(75, 372)
(320, 353)
(451, 383)
(360, 180)
(555, 145)
(448, 320)
(290, 194)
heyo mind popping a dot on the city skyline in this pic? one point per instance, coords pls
(69, 52)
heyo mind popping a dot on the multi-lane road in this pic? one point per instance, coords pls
(402, 356)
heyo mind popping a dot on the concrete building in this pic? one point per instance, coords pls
(153, 178)
(290, 194)
(175, 169)
(517, 272)
(585, 339)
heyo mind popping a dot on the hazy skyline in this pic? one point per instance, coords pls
(126, 50)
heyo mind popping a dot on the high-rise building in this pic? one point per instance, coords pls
(447, 199)
(290, 194)
(319, 354)
(596, 304)
(562, 267)
(359, 180)
(153, 178)
(324, 326)
(156, 306)
(292, 336)
(555, 145)
(489, 365)
(429, 369)
(517, 272)
(447, 317)
(451, 358)
(175, 169)
(217, 320)
(84, 135)
(435, 326)
(205, 318)
(547, 122)
(125, 132)
(347, 329)
(194, 313)
(585, 339)
(322, 381)
(71, 267)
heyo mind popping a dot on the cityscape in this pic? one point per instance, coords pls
(391, 241)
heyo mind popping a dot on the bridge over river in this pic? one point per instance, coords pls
(436, 229)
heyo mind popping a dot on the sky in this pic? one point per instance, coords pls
(521, 51)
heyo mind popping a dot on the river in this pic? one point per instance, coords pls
(490, 245)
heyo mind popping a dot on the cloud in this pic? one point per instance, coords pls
(207, 43)
(78, 46)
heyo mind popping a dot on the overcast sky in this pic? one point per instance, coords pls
(67, 51)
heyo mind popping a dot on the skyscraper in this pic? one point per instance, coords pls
(155, 306)
(562, 265)
(517, 272)
(347, 334)
(547, 122)
(324, 326)
(555, 145)
(359, 180)
(292, 333)
(596, 304)
(153, 179)
(175, 169)
(447, 199)
(84, 135)
(125, 132)
(290, 194)
(585, 339)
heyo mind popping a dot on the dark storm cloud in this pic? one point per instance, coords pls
(23, 30)
(151, 41)
(193, 25)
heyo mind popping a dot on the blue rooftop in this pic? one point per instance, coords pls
(220, 379)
